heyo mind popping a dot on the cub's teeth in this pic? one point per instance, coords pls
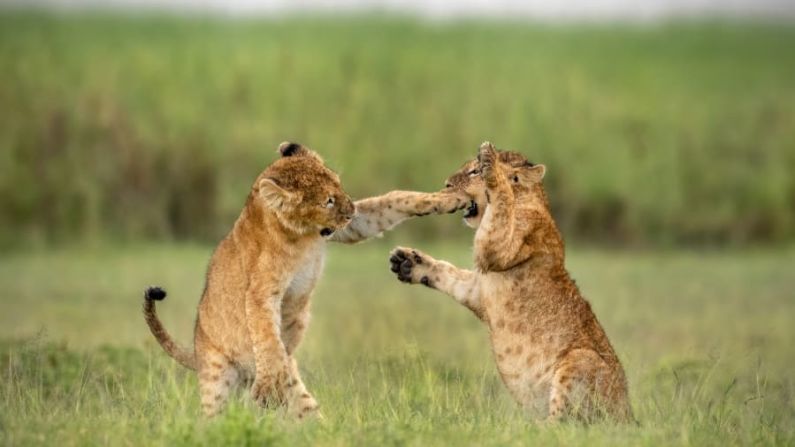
(472, 210)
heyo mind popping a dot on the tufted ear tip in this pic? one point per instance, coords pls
(288, 149)
(529, 173)
(536, 172)
(541, 171)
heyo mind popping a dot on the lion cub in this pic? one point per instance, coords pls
(255, 305)
(550, 350)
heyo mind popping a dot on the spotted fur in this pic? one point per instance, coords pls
(255, 307)
(551, 352)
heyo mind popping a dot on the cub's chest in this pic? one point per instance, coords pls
(499, 291)
(308, 272)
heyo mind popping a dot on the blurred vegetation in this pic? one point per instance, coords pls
(153, 128)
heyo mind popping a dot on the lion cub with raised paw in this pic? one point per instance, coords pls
(552, 353)
(255, 305)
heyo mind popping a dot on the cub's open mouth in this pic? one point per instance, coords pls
(471, 211)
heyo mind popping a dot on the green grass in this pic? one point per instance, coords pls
(705, 339)
(652, 135)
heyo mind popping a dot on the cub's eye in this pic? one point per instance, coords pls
(473, 172)
(330, 202)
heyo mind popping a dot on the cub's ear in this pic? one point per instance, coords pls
(288, 149)
(274, 195)
(530, 174)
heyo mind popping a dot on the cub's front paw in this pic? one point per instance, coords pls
(410, 266)
(261, 393)
(487, 160)
(450, 202)
(304, 407)
(265, 392)
(440, 202)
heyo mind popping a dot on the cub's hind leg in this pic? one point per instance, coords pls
(577, 389)
(217, 376)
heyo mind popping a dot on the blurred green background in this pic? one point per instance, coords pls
(128, 144)
(154, 128)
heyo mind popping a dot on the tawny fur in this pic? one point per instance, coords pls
(255, 306)
(551, 352)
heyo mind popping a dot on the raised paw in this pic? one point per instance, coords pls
(451, 202)
(487, 160)
(410, 266)
(441, 202)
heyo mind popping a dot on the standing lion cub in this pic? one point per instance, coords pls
(255, 305)
(550, 350)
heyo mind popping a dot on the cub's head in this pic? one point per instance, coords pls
(305, 194)
(524, 177)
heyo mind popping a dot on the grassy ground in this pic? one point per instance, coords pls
(705, 338)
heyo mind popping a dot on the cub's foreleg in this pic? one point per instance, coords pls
(496, 242)
(276, 377)
(415, 267)
(295, 319)
(378, 214)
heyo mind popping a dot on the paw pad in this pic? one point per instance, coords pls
(402, 263)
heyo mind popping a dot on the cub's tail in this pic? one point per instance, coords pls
(178, 353)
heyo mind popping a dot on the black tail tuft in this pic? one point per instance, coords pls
(154, 293)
